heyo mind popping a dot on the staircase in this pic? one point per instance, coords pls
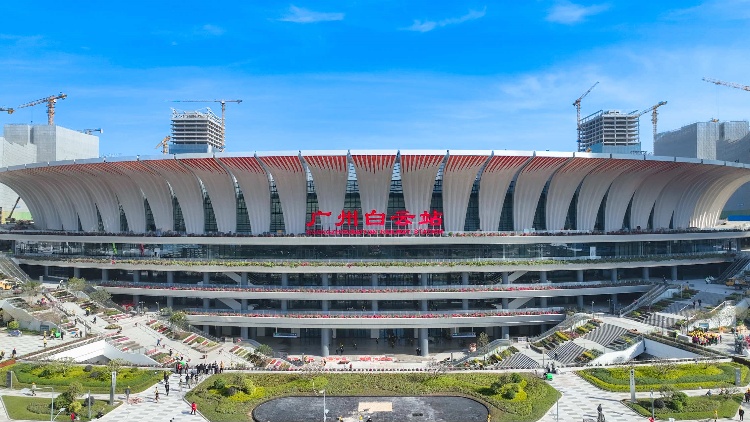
(12, 270)
(738, 265)
(646, 299)
(519, 361)
(605, 334)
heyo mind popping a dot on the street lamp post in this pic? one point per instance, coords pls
(325, 411)
(652, 403)
(592, 309)
(141, 303)
(52, 409)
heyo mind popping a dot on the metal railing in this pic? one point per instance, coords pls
(565, 325)
(646, 299)
(11, 269)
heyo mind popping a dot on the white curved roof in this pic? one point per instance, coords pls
(677, 191)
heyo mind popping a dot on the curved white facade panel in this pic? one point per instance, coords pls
(593, 189)
(156, 190)
(459, 174)
(329, 174)
(418, 174)
(678, 193)
(374, 174)
(496, 177)
(529, 186)
(256, 190)
(220, 190)
(186, 189)
(563, 186)
(291, 183)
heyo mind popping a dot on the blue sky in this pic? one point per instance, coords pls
(373, 74)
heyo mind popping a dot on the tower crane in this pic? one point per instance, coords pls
(164, 144)
(223, 114)
(577, 104)
(9, 110)
(51, 100)
(654, 114)
(729, 84)
(91, 131)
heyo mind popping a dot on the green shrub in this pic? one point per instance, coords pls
(229, 392)
(40, 408)
(659, 403)
(248, 386)
(219, 384)
(13, 325)
(75, 407)
(677, 406)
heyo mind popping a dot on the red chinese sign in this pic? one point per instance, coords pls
(347, 223)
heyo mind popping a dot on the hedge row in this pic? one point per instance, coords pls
(681, 377)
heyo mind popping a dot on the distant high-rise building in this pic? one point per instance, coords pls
(26, 144)
(195, 132)
(713, 140)
(610, 132)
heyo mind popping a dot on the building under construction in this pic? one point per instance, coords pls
(610, 132)
(195, 132)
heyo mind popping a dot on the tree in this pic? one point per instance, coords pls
(70, 395)
(178, 319)
(483, 343)
(265, 349)
(31, 288)
(76, 284)
(100, 295)
(66, 364)
(114, 365)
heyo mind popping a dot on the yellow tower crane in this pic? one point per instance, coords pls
(51, 100)
(164, 144)
(577, 104)
(223, 115)
(654, 114)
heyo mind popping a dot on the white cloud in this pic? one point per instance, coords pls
(426, 26)
(212, 29)
(300, 15)
(569, 13)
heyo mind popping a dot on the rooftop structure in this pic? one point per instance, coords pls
(196, 132)
(610, 132)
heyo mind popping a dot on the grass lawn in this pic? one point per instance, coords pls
(697, 408)
(681, 377)
(231, 397)
(38, 409)
(97, 379)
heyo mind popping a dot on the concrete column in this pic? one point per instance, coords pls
(205, 328)
(644, 273)
(579, 276)
(243, 304)
(325, 281)
(674, 273)
(613, 299)
(76, 272)
(170, 302)
(206, 303)
(244, 333)
(105, 274)
(425, 304)
(136, 276)
(374, 282)
(170, 278)
(284, 283)
(325, 340)
(580, 302)
(46, 270)
(243, 279)
(505, 303)
(505, 332)
(465, 282)
(613, 275)
(543, 302)
(543, 277)
(424, 342)
(505, 277)
(136, 299)
(206, 278)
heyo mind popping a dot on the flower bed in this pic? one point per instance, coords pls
(96, 378)
(681, 377)
(344, 314)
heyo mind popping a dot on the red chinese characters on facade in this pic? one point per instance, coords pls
(402, 218)
(348, 221)
(314, 216)
(350, 218)
(374, 218)
(435, 219)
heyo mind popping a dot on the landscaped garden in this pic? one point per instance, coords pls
(679, 406)
(509, 397)
(38, 409)
(679, 377)
(61, 373)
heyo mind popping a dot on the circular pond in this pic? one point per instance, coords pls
(411, 409)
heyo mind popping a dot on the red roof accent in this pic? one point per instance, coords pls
(328, 162)
(373, 163)
(419, 162)
(249, 164)
(288, 163)
(504, 162)
(463, 162)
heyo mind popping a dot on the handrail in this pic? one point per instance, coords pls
(565, 325)
(644, 299)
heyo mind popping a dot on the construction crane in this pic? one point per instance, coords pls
(9, 110)
(654, 114)
(577, 104)
(10, 216)
(729, 84)
(51, 100)
(164, 144)
(223, 114)
(91, 131)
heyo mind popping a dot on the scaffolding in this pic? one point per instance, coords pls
(609, 131)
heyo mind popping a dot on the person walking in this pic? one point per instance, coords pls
(193, 408)
(156, 394)
(166, 388)
(742, 414)
(33, 389)
(127, 394)
(45, 342)
(13, 353)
